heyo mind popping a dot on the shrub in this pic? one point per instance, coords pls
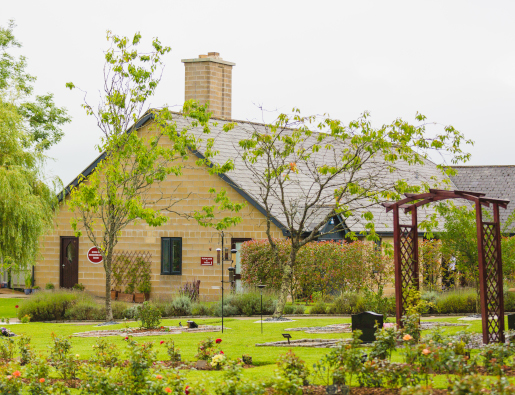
(61, 357)
(106, 354)
(48, 306)
(85, 310)
(6, 347)
(454, 302)
(294, 309)
(248, 303)
(291, 365)
(201, 309)
(346, 303)
(49, 286)
(131, 312)
(79, 287)
(149, 316)
(319, 308)
(181, 306)
(509, 301)
(25, 319)
(206, 349)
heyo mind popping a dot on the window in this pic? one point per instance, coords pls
(171, 255)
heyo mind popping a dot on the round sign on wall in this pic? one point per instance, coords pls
(94, 255)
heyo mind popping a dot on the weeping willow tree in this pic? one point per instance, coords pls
(28, 126)
(27, 203)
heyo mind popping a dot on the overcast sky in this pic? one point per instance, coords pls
(453, 61)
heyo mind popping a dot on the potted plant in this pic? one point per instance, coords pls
(49, 286)
(37, 288)
(28, 284)
(128, 295)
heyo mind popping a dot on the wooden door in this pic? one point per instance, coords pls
(69, 262)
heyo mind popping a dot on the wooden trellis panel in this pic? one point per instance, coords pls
(490, 278)
(124, 262)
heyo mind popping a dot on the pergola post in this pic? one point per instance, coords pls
(482, 271)
(397, 266)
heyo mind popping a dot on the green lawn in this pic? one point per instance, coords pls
(8, 307)
(238, 340)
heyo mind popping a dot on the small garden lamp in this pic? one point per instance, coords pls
(261, 286)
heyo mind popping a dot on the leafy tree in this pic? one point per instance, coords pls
(27, 199)
(125, 186)
(41, 119)
(308, 170)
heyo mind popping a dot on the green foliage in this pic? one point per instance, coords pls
(63, 304)
(79, 287)
(206, 349)
(141, 357)
(294, 309)
(61, 358)
(321, 267)
(385, 343)
(149, 316)
(106, 355)
(26, 353)
(27, 128)
(49, 286)
(7, 347)
(181, 306)
(292, 366)
(319, 308)
(344, 168)
(201, 309)
(136, 162)
(173, 352)
(245, 303)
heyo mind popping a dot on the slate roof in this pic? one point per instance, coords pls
(241, 178)
(494, 181)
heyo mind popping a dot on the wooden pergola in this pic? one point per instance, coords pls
(405, 239)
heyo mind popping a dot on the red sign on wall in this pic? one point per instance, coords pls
(94, 256)
(206, 261)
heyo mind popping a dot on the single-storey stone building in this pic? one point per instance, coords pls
(180, 249)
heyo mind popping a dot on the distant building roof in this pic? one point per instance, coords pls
(494, 181)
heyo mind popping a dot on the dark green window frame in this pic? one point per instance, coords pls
(171, 256)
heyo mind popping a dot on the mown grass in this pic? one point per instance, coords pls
(240, 338)
(8, 307)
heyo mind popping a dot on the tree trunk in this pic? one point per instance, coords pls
(109, 310)
(285, 284)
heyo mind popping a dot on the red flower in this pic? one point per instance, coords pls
(16, 306)
(168, 390)
(41, 380)
(126, 338)
(17, 374)
(221, 352)
(161, 342)
(187, 390)
(218, 341)
(162, 327)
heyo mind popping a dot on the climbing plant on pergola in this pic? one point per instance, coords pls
(405, 240)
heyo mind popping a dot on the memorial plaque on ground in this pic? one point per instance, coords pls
(366, 322)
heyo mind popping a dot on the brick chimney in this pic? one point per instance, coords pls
(209, 79)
